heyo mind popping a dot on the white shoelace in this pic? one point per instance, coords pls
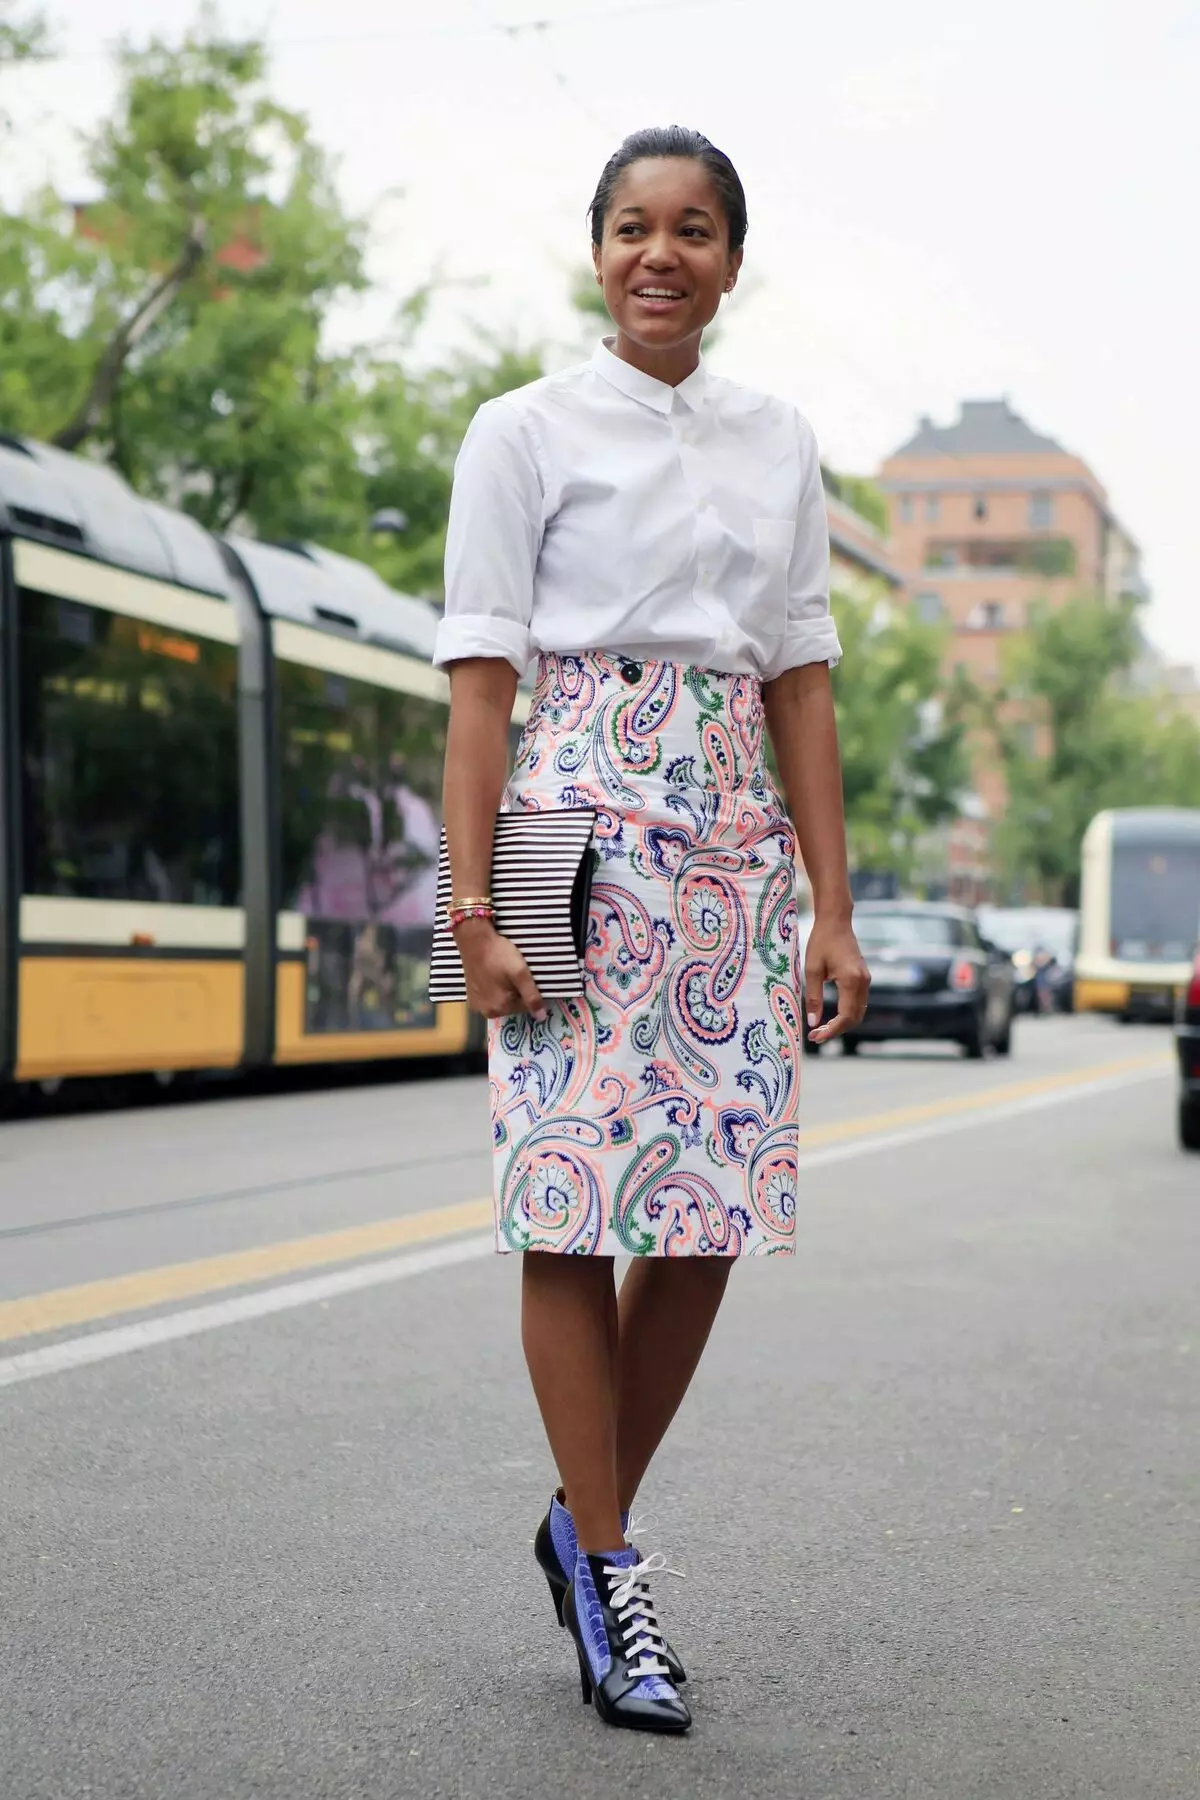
(631, 1601)
(637, 1527)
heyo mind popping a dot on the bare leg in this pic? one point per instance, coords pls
(666, 1313)
(569, 1332)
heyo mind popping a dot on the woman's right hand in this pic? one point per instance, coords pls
(498, 977)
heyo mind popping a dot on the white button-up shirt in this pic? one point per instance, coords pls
(600, 509)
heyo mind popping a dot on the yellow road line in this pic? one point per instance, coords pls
(59, 1308)
(979, 1101)
(95, 1300)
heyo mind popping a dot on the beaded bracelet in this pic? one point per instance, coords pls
(457, 915)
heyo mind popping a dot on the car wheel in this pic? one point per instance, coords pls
(811, 1049)
(849, 1046)
(973, 1042)
(1189, 1122)
(1003, 1044)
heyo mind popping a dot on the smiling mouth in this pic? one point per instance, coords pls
(658, 293)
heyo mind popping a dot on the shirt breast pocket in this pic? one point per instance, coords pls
(766, 615)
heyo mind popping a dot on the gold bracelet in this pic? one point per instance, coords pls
(470, 900)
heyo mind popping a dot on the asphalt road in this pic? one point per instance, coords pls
(936, 1491)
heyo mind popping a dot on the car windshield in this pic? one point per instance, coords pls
(903, 930)
(1029, 928)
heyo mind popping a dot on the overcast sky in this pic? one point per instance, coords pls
(948, 198)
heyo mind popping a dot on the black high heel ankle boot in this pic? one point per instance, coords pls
(622, 1668)
(556, 1548)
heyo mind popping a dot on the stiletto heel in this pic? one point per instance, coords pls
(610, 1614)
(555, 1538)
(556, 1549)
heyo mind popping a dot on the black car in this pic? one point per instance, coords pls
(1187, 1041)
(933, 975)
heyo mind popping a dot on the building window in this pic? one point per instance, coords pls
(1041, 512)
(929, 608)
(980, 508)
(991, 616)
(932, 507)
(906, 509)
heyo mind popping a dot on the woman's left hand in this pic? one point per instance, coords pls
(833, 955)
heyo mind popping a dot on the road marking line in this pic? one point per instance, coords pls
(94, 1301)
(962, 1121)
(983, 1099)
(100, 1346)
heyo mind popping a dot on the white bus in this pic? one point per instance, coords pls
(1139, 914)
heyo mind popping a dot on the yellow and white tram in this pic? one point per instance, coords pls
(1139, 911)
(220, 768)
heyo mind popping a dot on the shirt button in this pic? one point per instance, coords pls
(631, 672)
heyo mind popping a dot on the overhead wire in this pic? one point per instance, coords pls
(510, 28)
(532, 37)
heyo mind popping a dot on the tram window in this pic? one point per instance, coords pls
(129, 765)
(360, 787)
(1155, 906)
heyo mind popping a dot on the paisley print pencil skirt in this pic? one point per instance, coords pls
(657, 1115)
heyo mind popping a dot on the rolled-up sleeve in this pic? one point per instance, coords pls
(810, 635)
(497, 516)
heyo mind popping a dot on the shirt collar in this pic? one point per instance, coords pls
(640, 386)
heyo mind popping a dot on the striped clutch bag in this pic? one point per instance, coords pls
(541, 887)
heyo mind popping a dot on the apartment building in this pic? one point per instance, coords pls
(860, 559)
(989, 517)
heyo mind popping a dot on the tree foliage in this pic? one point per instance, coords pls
(1074, 737)
(24, 33)
(178, 327)
(862, 495)
(904, 762)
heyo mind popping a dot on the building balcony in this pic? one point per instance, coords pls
(1043, 559)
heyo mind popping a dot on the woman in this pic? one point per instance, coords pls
(656, 537)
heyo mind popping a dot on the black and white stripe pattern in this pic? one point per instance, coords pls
(536, 860)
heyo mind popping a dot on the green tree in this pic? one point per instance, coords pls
(1074, 738)
(412, 427)
(860, 494)
(588, 300)
(904, 763)
(24, 33)
(177, 327)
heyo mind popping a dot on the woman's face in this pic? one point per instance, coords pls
(665, 261)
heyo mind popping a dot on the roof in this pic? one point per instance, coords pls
(983, 428)
(319, 588)
(1155, 827)
(87, 507)
(854, 544)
